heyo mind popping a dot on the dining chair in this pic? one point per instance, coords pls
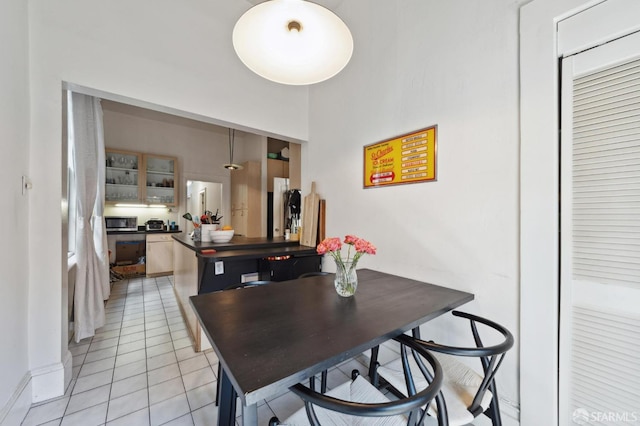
(248, 284)
(361, 399)
(467, 394)
(254, 283)
(313, 274)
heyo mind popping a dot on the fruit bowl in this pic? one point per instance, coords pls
(221, 236)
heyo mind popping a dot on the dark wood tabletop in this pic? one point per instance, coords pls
(271, 337)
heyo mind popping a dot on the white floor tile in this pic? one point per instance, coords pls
(153, 332)
(83, 400)
(132, 337)
(130, 357)
(160, 349)
(103, 344)
(79, 349)
(162, 374)
(89, 368)
(125, 348)
(101, 354)
(132, 329)
(186, 353)
(137, 418)
(92, 416)
(127, 404)
(129, 370)
(128, 385)
(169, 409)
(285, 405)
(198, 378)
(202, 395)
(205, 416)
(165, 390)
(180, 334)
(46, 412)
(92, 381)
(161, 360)
(185, 420)
(182, 343)
(156, 340)
(192, 364)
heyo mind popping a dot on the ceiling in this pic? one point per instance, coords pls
(329, 4)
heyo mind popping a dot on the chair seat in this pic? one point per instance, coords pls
(459, 387)
(359, 390)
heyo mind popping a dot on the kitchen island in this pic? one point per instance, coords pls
(204, 267)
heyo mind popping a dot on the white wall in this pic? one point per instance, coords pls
(162, 52)
(14, 255)
(417, 63)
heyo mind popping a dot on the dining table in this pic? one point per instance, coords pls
(271, 337)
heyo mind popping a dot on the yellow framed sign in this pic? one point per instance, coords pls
(409, 158)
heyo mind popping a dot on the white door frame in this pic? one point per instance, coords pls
(539, 184)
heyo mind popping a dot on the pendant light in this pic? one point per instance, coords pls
(292, 42)
(231, 165)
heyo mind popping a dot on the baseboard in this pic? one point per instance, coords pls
(510, 413)
(16, 409)
(68, 369)
(48, 382)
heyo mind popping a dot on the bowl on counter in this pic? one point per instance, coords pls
(221, 236)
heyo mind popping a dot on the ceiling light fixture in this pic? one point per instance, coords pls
(292, 41)
(231, 165)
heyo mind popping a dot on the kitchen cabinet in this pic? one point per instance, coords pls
(160, 179)
(246, 198)
(276, 168)
(122, 176)
(132, 177)
(159, 254)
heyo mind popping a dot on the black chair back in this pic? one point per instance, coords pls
(248, 284)
(491, 358)
(313, 274)
(410, 406)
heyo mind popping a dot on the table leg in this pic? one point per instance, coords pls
(227, 399)
(250, 415)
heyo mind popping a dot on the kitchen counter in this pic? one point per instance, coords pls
(239, 244)
(241, 259)
(142, 232)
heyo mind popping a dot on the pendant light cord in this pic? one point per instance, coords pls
(232, 134)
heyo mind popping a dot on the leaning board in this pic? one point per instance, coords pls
(310, 218)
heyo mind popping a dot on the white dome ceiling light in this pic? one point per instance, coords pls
(292, 42)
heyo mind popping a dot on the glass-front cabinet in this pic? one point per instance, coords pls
(132, 177)
(160, 180)
(122, 177)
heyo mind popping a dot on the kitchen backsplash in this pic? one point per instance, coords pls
(143, 213)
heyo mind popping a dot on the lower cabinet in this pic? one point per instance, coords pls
(159, 254)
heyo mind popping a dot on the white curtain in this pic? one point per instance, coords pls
(86, 137)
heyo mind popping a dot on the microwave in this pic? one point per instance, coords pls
(121, 223)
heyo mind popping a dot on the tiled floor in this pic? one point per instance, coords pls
(140, 369)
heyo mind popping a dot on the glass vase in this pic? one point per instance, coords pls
(346, 281)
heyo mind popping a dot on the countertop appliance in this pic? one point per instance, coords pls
(155, 225)
(121, 223)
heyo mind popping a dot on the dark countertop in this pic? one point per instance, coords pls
(142, 232)
(243, 247)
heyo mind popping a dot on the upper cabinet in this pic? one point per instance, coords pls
(122, 177)
(140, 178)
(160, 180)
